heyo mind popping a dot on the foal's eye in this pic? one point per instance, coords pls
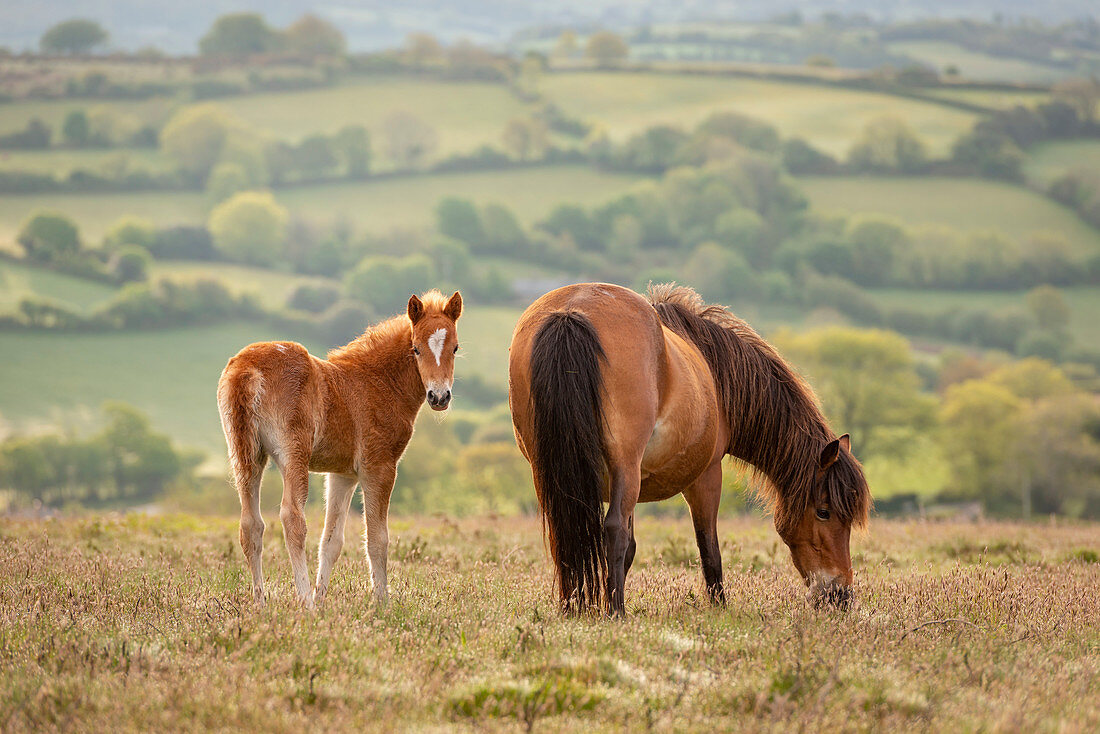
(416, 351)
(822, 514)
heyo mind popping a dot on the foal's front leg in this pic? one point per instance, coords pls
(377, 484)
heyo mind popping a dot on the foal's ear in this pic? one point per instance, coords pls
(831, 452)
(416, 308)
(453, 309)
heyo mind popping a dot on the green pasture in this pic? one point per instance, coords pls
(273, 287)
(966, 204)
(17, 281)
(1047, 161)
(465, 115)
(172, 374)
(975, 65)
(999, 99)
(16, 115)
(378, 205)
(828, 117)
(59, 162)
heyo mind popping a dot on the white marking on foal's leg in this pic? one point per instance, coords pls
(435, 343)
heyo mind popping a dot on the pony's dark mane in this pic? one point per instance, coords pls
(775, 423)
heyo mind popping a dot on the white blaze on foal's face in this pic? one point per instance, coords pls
(436, 342)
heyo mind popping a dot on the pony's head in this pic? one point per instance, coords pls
(818, 529)
(435, 342)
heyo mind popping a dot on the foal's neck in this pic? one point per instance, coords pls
(383, 357)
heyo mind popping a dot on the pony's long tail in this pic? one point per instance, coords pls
(568, 452)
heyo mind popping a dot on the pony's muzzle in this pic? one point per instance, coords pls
(439, 400)
(832, 592)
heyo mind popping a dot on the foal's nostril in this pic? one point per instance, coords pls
(431, 397)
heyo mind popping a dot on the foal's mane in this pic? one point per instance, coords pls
(393, 333)
(775, 423)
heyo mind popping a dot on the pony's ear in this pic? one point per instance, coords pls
(416, 308)
(830, 453)
(846, 442)
(453, 309)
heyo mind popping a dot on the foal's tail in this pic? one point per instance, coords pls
(568, 451)
(238, 391)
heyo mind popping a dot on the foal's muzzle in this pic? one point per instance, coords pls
(440, 400)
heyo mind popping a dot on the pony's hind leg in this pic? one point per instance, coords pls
(703, 497)
(626, 480)
(293, 517)
(247, 479)
(339, 489)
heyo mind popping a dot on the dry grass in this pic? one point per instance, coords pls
(134, 623)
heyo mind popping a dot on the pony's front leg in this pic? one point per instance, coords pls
(377, 484)
(339, 489)
(703, 497)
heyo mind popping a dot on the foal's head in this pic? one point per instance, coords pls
(818, 529)
(435, 342)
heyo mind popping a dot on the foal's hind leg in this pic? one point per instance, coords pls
(338, 491)
(247, 479)
(703, 497)
(292, 514)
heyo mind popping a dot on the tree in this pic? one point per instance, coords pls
(422, 49)
(224, 181)
(867, 382)
(459, 218)
(606, 48)
(718, 273)
(250, 227)
(526, 138)
(1048, 307)
(196, 135)
(239, 35)
(49, 236)
(409, 140)
(130, 231)
(1082, 94)
(315, 156)
(502, 231)
(75, 129)
(77, 36)
(385, 282)
(352, 144)
(311, 36)
(566, 45)
(888, 144)
(131, 263)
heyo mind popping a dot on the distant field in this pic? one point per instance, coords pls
(963, 203)
(16, 115)
(271, 286)
(465, 114)
(379, 205)
(1084, 304)
(18, 281)
(995, 98)
(1047, 161)
(138, 623)
(60, 162)
(829, 118)
(171, 374)
(973, 65)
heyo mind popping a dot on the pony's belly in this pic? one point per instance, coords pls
(673, 459)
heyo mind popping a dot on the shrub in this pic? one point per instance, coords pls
(313, 298)
(131, 231)
(250, 227)
(385, 283)
(183, 243)
(48, 236)
(131, 263)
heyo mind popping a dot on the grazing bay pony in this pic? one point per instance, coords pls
(350, 415)
(622, 400)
